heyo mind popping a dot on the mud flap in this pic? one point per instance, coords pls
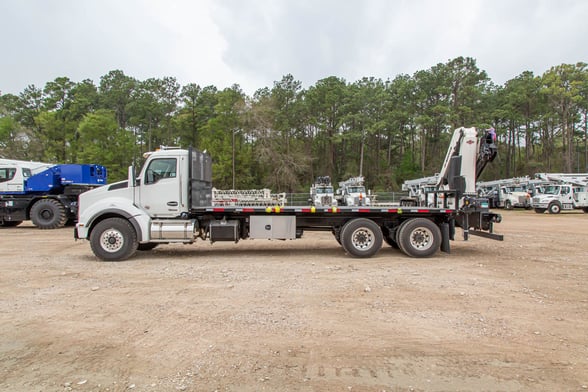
(445, 246)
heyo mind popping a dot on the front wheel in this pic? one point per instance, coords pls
(540, 210)
(419, 237)
(554, 208)
(508, 205)
(114, 239)
(361, 237)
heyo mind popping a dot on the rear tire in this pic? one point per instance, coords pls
(361, 238)
(48, 214)
(419, 237)
(114, 239)
(540, 210)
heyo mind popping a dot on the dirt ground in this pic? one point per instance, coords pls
(298, 315)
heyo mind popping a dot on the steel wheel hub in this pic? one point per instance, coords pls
(362, 238)
(421, 238)
(112, 240)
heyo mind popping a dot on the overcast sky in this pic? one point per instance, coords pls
(255, 42)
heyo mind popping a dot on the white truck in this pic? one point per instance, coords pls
(567, 192)
(351, 192)
(420, 190)
(170, 202)
(322, 192)
(506, 193)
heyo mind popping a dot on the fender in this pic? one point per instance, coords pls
(111, 207)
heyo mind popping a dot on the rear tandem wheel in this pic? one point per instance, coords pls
(419, 237)
(361, 237)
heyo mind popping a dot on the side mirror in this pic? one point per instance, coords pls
(131, 177)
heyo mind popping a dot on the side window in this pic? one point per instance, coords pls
(7, 173)
(26, 173)
(565, 190)
(160, 168)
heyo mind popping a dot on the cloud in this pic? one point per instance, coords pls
(255, 42)
(314, 39)
(86, 39)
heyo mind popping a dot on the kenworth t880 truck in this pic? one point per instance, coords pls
(170, 202)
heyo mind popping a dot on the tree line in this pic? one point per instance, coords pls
(284, 136)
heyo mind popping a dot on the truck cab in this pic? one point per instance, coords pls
(512, 196)
(322, 192)
(352, 193)
(14, 174)
(561, 197)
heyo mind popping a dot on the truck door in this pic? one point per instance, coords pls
(566, 196)
(160, 193)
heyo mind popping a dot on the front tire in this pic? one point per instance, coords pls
(361, 238)
(540, 210)
(419, 237)
(554, 208)
(114, 239)
(48, 214)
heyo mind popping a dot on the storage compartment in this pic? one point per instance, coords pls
(224, 230)
(273, 227)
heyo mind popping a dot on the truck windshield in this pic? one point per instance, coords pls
(551, 190)
(357, 189)
(326, 189)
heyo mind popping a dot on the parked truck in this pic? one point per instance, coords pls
(44, 193)
(158, 207)
(506, 193)
(568, 191)
(351, 192)
(420, 190)
(322, 193)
